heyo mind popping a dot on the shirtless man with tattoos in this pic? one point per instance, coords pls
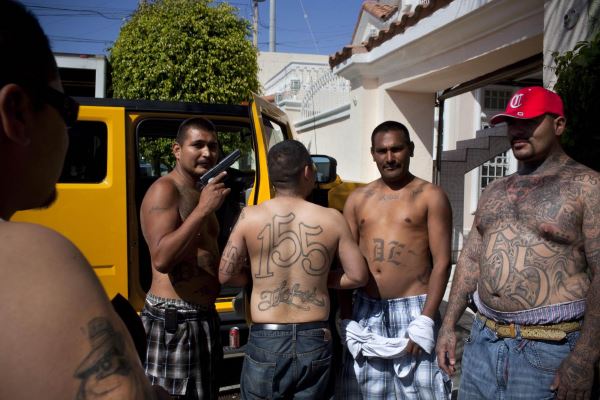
(289, 244)
(531, 261)
(60, 338)
(402, 224)
(181, 229)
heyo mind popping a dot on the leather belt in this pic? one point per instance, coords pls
(301, 326)
(553, 332)
(182, 315)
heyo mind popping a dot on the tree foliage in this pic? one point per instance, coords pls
(578, 84)
(183, 50)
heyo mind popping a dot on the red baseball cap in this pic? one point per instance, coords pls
(531, 102)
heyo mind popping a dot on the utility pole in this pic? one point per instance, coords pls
(255, 22)
(272, 25)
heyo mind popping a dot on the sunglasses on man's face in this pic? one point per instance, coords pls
(66, 106)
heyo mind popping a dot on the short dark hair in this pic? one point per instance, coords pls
(200, 123)
(390, 126)
(27, 59)
(286, 161)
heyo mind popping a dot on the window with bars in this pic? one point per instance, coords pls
(295, 84)
(496, 99)
(495, 168)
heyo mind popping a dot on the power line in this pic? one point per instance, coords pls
(79, 12)
(309, 27)
(78, 39)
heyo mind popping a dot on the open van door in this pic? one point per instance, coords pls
(89, 209)
(271, 126)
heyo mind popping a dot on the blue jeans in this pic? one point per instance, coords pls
(504, 368)
(293, 362)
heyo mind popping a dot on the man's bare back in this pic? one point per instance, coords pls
(532, 243)
(43, 327)
(291, 244)
(393, 233)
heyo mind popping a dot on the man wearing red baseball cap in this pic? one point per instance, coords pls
(532, 263)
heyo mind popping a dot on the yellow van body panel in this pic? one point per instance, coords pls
(103, 236)
(339, 192)
(95, 216)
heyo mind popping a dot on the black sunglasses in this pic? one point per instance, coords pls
(66, 106)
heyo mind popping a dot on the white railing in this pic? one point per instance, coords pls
(291, 82)
(328, 92)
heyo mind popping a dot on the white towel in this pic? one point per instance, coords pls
(362, 341)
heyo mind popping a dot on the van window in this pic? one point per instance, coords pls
(86, 157)
(274, 132)
(155, 158)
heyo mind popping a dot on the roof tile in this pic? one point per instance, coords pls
(423, 10)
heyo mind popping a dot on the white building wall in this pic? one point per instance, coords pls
(96, 63)
(319, 110)
(416, 111)
(272, 63)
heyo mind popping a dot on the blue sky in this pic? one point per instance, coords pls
(303, 26)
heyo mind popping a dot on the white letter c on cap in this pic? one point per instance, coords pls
(516, 101)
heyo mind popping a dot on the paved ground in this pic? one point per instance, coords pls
(230, 395)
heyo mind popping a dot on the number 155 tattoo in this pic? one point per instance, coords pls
(284, 244)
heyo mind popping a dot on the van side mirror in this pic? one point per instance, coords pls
(326, 168)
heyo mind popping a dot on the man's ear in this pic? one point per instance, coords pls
(560, 123)
(308, 170)
(176, 149)
(412, 148)
(15, 110)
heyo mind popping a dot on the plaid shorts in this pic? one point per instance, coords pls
(185, 360)
(375, 378)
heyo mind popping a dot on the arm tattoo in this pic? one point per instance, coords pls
(106, 367)
(285, 243)
(232, 261)
(292, 296)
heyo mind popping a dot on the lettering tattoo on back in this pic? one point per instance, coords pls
(285, 242)
(292, 296)
(106, 368)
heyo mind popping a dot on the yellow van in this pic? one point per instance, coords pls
(113, 159)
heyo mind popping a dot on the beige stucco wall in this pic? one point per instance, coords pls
(462, 120)
(416, 111)
(334, 140)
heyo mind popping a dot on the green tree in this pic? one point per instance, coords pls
(578, 83)
(183, 50)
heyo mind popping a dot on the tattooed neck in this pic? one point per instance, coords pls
(550, 164)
